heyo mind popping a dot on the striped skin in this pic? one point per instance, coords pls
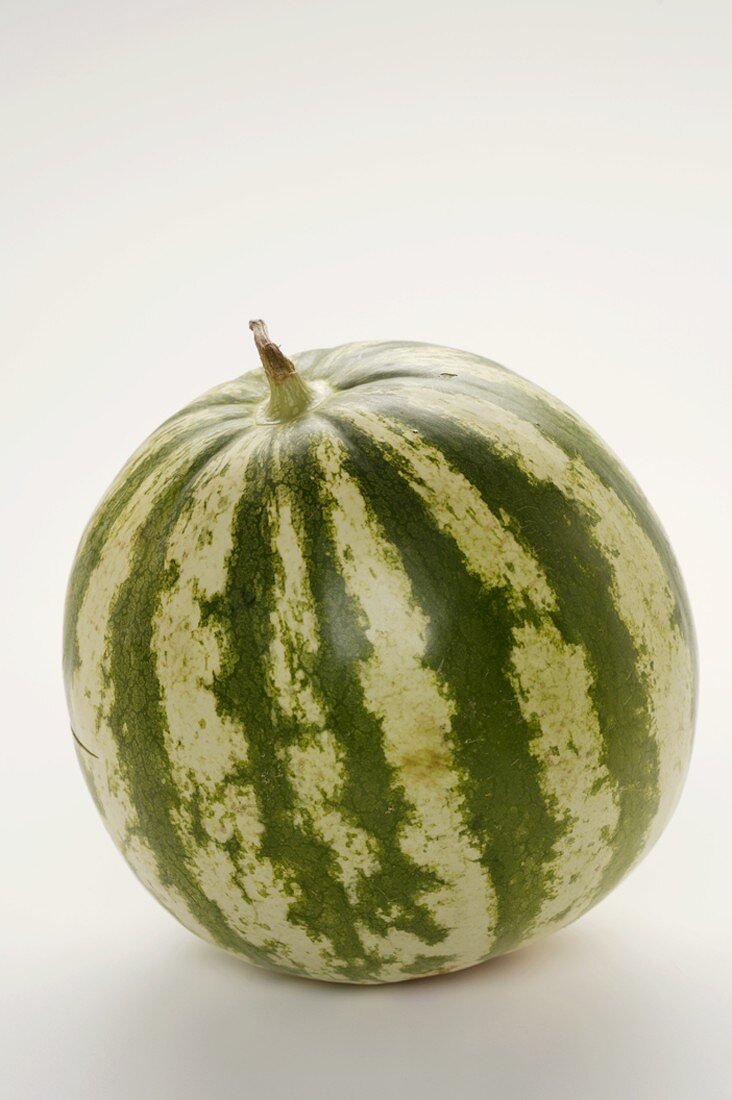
(389, 688)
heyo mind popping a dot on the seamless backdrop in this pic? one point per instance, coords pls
(546, 184)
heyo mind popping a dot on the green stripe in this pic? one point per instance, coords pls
(559, 534)
(137, 716)
(106, 515)
(371, 797)
(577, 440)
(242, 614)
(469, 646)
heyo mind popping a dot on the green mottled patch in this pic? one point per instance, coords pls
(429, 964)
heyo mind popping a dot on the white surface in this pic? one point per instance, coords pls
(547, 184)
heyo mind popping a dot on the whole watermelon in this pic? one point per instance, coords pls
(379, 664)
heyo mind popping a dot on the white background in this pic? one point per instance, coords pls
(547, 184)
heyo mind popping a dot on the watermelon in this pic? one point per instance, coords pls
(378, 663)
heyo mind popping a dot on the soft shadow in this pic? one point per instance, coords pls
(574, 1015)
